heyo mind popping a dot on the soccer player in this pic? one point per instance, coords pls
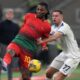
(24, 45)
(67, 61)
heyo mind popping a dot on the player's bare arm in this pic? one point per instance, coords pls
(54, 37)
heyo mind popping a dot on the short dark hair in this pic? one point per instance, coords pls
(57, 10)
(44, 4)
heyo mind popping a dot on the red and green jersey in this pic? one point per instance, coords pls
(32, 29)
(35, 27)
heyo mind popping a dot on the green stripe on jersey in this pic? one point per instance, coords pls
(26, 43)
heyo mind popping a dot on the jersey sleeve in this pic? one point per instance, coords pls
(64, 29)
(46, 35)
(26, 16)
(47, 30)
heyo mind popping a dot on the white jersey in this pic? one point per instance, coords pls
(68, 41)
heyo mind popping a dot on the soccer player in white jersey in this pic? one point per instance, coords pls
(67, 61)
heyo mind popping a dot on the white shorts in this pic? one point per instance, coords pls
(64, 64)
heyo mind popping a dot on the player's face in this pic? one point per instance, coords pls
(57, 18)
(41, 11)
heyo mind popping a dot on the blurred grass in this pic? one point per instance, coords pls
(75, 75)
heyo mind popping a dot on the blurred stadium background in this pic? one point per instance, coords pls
(71, 9)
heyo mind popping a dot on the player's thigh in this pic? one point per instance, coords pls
(69, 66)
(59, 60)
(25, 57)
(56, 63)
(53, 68)
(13, 48)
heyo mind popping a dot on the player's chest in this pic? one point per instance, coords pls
(37, 23)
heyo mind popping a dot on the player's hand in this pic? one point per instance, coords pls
(39, 42)
(44, 45)
(45, 48)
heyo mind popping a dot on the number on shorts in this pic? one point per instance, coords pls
(66, 67)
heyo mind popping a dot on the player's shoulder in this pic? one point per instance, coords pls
(65, 24)
(47, 23)
(30, 14)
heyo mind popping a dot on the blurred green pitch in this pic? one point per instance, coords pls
(74, 76)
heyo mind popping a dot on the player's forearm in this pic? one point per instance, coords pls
(54, 37)
(51, 38)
